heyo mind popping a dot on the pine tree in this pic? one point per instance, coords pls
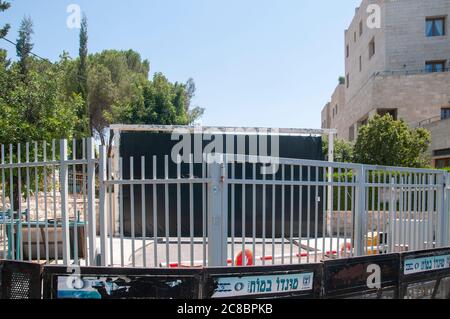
(83, 113)
(3, 7)
(24, 44)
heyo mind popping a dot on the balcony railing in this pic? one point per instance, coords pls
(431, 120)
(410, 72)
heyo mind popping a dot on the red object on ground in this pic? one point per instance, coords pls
(346, 248)
(248, 258)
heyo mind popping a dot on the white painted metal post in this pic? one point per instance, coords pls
(447, 209)
(360, 206)
(64, 189)
(216, 235)
(442, 237)
(102, 211)
(92, 229)
(330, 182)
(224, 193)
(116, 160)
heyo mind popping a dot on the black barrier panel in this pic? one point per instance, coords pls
(293, 281)
(121, 283)
(20, 280)
(425, 274)
(149, 144)
(373, 277)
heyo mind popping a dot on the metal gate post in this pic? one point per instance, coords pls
(360, 206)
(446, 213)
(441, 212)
(64, 189)
(102, 206)
(217, 230)
(92, 223)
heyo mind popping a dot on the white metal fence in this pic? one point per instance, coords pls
(73, 205)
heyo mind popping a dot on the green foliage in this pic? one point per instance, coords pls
(341, 80)
(82, 78)
(35, 110)
(162, 103)
(385, 141)
(343, 150)
(24, 45)
(4, 30)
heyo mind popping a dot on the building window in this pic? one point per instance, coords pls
(347, 80)
(354, 36)
(372, 48)
(360, 28)
(360, 63)
(336, 109)
(351, 133)
(347, 51)
(435, 66)
(435, 27)
(442, 163)
(445, 114)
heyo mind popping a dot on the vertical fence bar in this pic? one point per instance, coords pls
(233, 210)
(224, 199)
(132, 213)
(263, 217)
(11, 199)
(216, 236)
(155, 214)
(166, 209)
(36, 191)
(442, 212)
(308, 213)
(91, 201)
(84, 170)
(191, 207)
(110, 217)
(64, 180)
(5, 256)
(27, 151)
(326, 188)
(144, 214)
(179, 210)
(359, 211)
(447, 209)
(102, 206)
(316, 214)
(243, 212)
(44, 177)
(283, 208)
(121, 224)
(54, 200)
(74, 193)
(253, 210)
(19, 208)
(204, 217)
(291, 228)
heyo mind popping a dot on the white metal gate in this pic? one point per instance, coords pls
(70, 209)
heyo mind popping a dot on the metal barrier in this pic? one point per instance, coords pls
(300, 282)
(20, 280)
(269, 211)
(425, 274)
(374, 277)
(121, 283)
(416, 275)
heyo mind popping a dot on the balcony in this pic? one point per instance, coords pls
(410, 72)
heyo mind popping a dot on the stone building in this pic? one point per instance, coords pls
(397, 61)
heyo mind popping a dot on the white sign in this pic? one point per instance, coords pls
(419, 265)
(261, 285)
